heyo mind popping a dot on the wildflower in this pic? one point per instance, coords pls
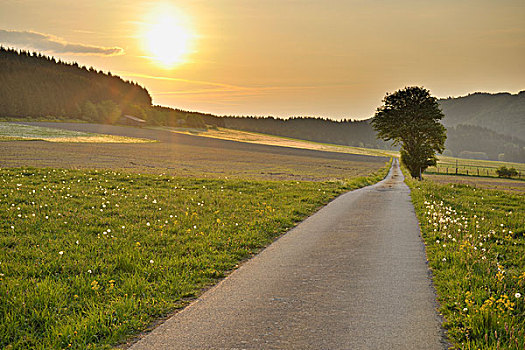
(148, 224)
(444, 259)
(94, 285)
(517, 295)
(151, 261)
(61, 252)
(89, 271)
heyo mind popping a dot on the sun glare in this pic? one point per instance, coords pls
(167, 40)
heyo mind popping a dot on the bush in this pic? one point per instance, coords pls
(506, 172)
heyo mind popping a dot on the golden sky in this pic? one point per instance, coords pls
(329, 58)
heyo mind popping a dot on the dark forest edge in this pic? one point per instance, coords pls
(38, 87)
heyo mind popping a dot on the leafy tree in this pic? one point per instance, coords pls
(410, 117)
(89, 112)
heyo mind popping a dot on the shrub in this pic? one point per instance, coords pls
(506, 172)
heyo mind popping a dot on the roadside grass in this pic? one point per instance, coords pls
(475, 246)
(88, 258)
(18, 132)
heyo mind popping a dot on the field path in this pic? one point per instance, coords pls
(352, 276)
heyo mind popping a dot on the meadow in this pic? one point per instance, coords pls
(21, 132)
(266, 139)
(475, 246)
(473, 167)
(90, 257)
(185, 155)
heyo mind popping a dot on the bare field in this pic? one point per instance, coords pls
(508, 185)
(265, 139)
(186, 155)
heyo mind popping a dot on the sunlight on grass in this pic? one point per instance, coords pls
(89, 257)
(475, 246)
(18, 132)
(265, 139)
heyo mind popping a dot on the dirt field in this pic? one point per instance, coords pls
(253, 137)
(186, 155)
(483, 182)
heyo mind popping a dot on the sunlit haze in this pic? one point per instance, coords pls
(167, 36)
(333, 59)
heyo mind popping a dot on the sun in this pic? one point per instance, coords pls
(167, 40)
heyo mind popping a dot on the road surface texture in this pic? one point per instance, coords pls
(352, 276)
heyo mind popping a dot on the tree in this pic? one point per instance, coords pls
(505, 172)
(410, 117)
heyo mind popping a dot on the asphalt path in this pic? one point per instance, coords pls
(352, 276)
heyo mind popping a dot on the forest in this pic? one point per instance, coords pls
(502, 112)
(34, 86)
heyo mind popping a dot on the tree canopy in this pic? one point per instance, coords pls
(410, 117)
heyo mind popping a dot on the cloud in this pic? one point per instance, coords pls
(51, 43)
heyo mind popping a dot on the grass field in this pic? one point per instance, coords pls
(183, 155)
(509, 185)
(446, 165)
(265, 139)
(475, 245)
(89, 257)
(473, 167)
(14, 132)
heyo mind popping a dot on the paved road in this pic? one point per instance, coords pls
(352, 276)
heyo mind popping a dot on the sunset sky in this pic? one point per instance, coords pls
(330, 58)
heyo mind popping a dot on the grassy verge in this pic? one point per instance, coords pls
(475, 246)
(88, 258)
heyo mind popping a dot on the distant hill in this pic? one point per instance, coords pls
(475, 142)
(357, 133)
(502, 112)
(33, 86)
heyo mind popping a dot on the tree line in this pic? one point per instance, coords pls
(475, 142)
(33, 85)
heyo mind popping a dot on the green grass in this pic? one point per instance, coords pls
(88, 258)
(476, 249)
(472, 167)
(36, 132)
(18, 132)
